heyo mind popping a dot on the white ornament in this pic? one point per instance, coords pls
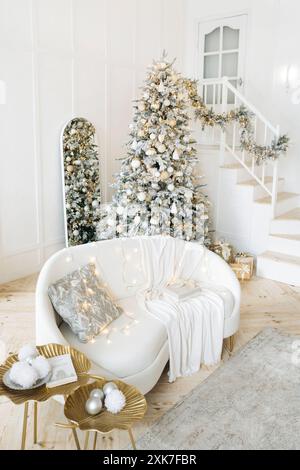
(95, 203)
(167, 102)
(170, 169)
(115, 401)
(161, 138)
(141, 106)
(120, 210)
(141, 196)
(120, 228)
(150, 152)
(161, 88)
(154, 221)
(146, 95)
(21, 373)
(128, 192)
(137, 219)
(97, 393)
(110, 222)
(171, 187)
(152, 136)
(41, 365)
(161, 148)
(93, 406)
(175, 155)
(173, 208)
(134, 145)
(135, 163)
(27, 351)
(109, 387)
(157, 174)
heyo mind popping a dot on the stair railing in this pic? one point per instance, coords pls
(221, 95)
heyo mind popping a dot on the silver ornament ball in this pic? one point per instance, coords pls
(109, 387)
(97, 393)
(93, 406)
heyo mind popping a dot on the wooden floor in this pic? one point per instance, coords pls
(264, 303)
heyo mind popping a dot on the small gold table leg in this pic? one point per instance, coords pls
(25, 417)
(35, 424)
(95, 440)
(86, 442)
(131, 438)
(75, 437)
(231, 343)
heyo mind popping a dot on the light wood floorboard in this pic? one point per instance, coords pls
(264, 303)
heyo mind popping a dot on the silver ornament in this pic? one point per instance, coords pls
(108, 387)
(97, 393)
(93, 406)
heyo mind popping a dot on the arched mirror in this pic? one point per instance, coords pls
(81, 181)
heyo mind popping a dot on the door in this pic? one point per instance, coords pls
(222, 48)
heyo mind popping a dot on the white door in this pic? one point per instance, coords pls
(222, 48)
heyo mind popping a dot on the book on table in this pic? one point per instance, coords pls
(63, 371)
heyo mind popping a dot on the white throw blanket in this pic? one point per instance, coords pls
(194, 326)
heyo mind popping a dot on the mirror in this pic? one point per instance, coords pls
(81, 181)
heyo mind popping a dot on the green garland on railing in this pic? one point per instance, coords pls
(243, 117)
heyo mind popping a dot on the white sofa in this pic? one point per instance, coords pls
(134, 348)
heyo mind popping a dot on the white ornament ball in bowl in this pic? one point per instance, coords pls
(93, 406)
(21, 373)
(42, 366)
(109, 387)
(115, 401)
(97, 393)
(28, 351)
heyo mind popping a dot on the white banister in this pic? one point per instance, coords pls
(269, 168)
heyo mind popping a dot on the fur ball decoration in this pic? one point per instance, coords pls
(27, 351)
(42, 366)
(115, 401)
(21, 373)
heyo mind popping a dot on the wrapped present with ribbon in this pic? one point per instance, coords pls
(247, 259)
(241, 270)
(223, 249)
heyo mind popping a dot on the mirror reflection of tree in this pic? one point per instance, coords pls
(81, 173)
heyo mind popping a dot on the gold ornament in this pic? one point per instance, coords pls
(164, 175)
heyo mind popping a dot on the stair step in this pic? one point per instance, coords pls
(287, 223)
(233, 166)
(282, 196)
(279, 267)
(294, 214)
(253, 182)
(286, 244)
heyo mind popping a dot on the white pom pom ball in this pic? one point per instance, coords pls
(115, 401)
(27, 351)
(42, 366)
(23, 374)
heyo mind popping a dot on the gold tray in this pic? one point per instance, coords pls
(105, 421)
(80, 362)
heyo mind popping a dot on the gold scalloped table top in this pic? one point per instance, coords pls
(81, 364)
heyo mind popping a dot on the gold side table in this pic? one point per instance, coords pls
(104, 422)
(81, 364)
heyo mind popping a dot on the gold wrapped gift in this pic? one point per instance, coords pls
(245, 258)
(242, 270)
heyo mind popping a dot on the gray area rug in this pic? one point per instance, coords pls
(250, 402)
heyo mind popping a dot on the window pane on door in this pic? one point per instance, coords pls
(212, 41)
(230, 64)
(230, 38)
(211, 66)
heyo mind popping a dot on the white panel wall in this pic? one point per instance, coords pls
(59, 59)
(273, 39)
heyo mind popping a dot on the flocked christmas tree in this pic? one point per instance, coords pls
(157, 189)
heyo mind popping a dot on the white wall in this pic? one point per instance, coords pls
(59, 59)
(273, 39)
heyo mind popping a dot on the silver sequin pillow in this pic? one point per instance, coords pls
(83, 302)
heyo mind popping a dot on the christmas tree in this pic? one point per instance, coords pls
(157, 189)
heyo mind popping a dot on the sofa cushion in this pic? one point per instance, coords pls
(83, 302)
(128, 346)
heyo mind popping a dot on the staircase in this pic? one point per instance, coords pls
(275, 211)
